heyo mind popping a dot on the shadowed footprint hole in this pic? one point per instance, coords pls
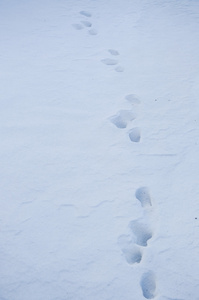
(148, 285)
(141, 232)
(132, 255)
(135, 135)
(131, 252)
(142, 194)
(122, 118)
(85, 13)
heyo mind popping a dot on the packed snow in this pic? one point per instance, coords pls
(99, 150)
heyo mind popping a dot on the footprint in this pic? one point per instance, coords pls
(86, 23)
(133, 99)
(122, 118)
(112, 62)
(142, 233)
(109, 61)
(132, 253)
(77, 26)
(113, 52)
(142, 194)
(148, 285)
(135, 135)
(93, 32)
(85, 13)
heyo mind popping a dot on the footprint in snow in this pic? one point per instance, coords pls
(142, 233)
(131, 252)
(85, 13)
(148, 285)
(115, 53)
(112, 61)
(135, 135)
(85, 23)
(122, 118)
(132, 255)
(142, 194)
(109, 61)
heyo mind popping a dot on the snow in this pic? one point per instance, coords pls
(99, 150)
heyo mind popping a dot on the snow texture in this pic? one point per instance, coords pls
(99, 193)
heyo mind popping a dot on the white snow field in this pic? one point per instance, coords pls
(99, 113)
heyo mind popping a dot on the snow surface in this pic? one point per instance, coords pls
(99, 150)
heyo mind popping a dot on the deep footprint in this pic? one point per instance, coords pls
(142, 194)
(135, 135)
(141, 232)
(132, 253)
(85, 13)
(122, 118)
(148, 285)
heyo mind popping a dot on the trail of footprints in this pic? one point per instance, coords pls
(132, 247)
(124, 117)
(85, 23)
(92, 31)
(113, 61)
